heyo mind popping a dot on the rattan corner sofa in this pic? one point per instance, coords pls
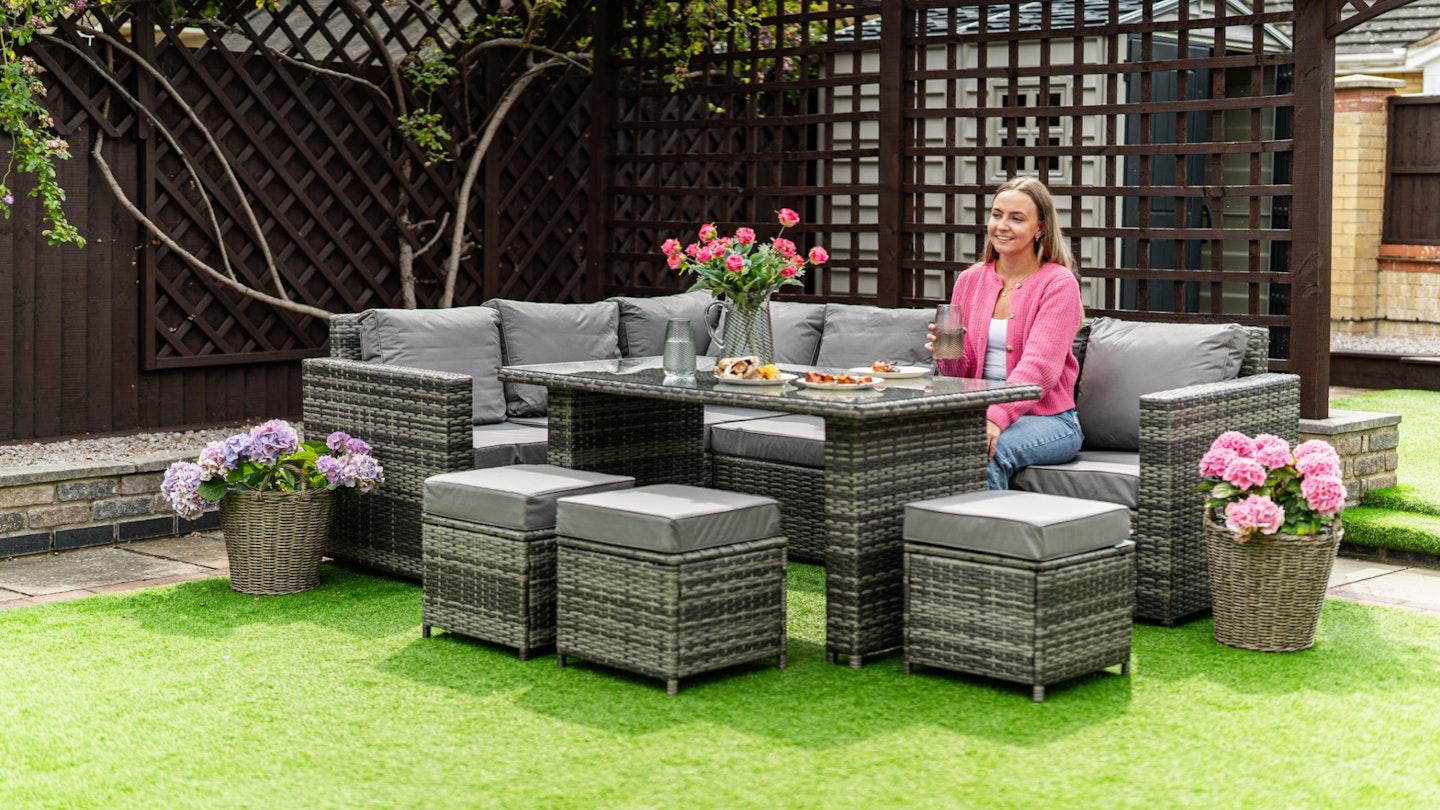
(420, 386)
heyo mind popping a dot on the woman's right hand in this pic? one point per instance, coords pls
(930, 337)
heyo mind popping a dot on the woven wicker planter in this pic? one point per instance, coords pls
(274, 539)
(1267, 593)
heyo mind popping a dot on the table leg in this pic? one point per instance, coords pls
(872, 469)
(656, 441)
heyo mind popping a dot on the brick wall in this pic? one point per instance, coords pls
(54, 507)
(1358, 200)
(1368, 444)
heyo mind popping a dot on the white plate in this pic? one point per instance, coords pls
(903, 373)
(821, 386)
(784, 378)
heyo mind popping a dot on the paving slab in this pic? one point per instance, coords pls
(87, 569)
(206, 550)
(1415, 588)
(8, 596)
(1349, 570)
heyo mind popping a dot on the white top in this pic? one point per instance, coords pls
(995, 350)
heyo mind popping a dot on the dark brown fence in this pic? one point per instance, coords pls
(1412, 171)
(1187, 144)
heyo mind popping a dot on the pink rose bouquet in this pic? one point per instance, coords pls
(1262, 487)
(739, 266)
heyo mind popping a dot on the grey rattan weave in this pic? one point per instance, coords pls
(417, 421)
(670, 616)
(1017, 620)
(656, 442)
(800, 491)
(489, 582)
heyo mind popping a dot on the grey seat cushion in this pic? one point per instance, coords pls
(643, 321)
(796, 439)
(464, 340)
(507, 443)
(857, 335)
(553, 333)
(520, 497)
(720, 414)
(1097, 475)
(1027, 525)
(668, 518)
(1124, 360)
(795, 331)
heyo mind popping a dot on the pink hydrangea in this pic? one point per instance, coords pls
(1235, 440)
(1272, 451)
(1325, 494)
(1254, 514)
(818, 255)
(1214, 462)
(1314, 446)
(1244, 473)
(744, 235)
(788, 218)
(1318, 465)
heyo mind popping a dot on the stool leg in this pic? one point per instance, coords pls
(830, 657)
(1125, 668)
(780, 661)
(672, 687)
(857, 661)
(524, 654)
(909, 668)
(559, 659)
(1038, 694)
(424, 631)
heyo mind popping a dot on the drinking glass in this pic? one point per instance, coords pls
(679, 360)
(949, 332)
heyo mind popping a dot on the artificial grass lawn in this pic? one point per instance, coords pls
(1406, 516)
(194, 696)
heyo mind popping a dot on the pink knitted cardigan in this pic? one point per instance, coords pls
(1046, 314)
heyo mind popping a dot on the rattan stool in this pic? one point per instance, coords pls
(669, 581)
(488, 539)
(1018, 586)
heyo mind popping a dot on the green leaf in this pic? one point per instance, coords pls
(214, 489)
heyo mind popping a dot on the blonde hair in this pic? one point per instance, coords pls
(1051, 246)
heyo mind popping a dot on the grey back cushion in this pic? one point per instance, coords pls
(465, 340)
(553, 333)
(1125, 360)
(795, 328)
(857, 335)
(643, 322)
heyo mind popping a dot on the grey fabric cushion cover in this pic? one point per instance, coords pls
(792, 439)
(643, 322)
(720, 414)
(464, 340)
(857, 335)
(553, 333)
(668, 518)
(1027, 525)
(795, 331)
(520, 497)
(1097, 475)
(1125, 360)
(507, 443)
(532, 421)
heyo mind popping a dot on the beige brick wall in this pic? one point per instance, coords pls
(1358, 201)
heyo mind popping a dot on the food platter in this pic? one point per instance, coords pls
(900, 373)
(781, 380)
(834, 386)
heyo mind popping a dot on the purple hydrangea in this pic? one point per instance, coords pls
(337, 441)
(236, 449)
(215, 462)
(356, 446)
(270, 441)
(334, 470)
(181, 488)
(364, 470)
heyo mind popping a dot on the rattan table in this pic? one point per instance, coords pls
(884, 448)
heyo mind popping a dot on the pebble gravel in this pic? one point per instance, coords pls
(115, 448)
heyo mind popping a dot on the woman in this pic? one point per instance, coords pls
(1021, 307)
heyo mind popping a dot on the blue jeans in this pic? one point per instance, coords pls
(1034, 440)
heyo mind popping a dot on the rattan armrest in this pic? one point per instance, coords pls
(1176, 428)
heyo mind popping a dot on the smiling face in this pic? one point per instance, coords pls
(1014, 225)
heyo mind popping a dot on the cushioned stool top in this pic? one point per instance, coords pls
(1017, 524)
(668, 518)
(520, 497)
